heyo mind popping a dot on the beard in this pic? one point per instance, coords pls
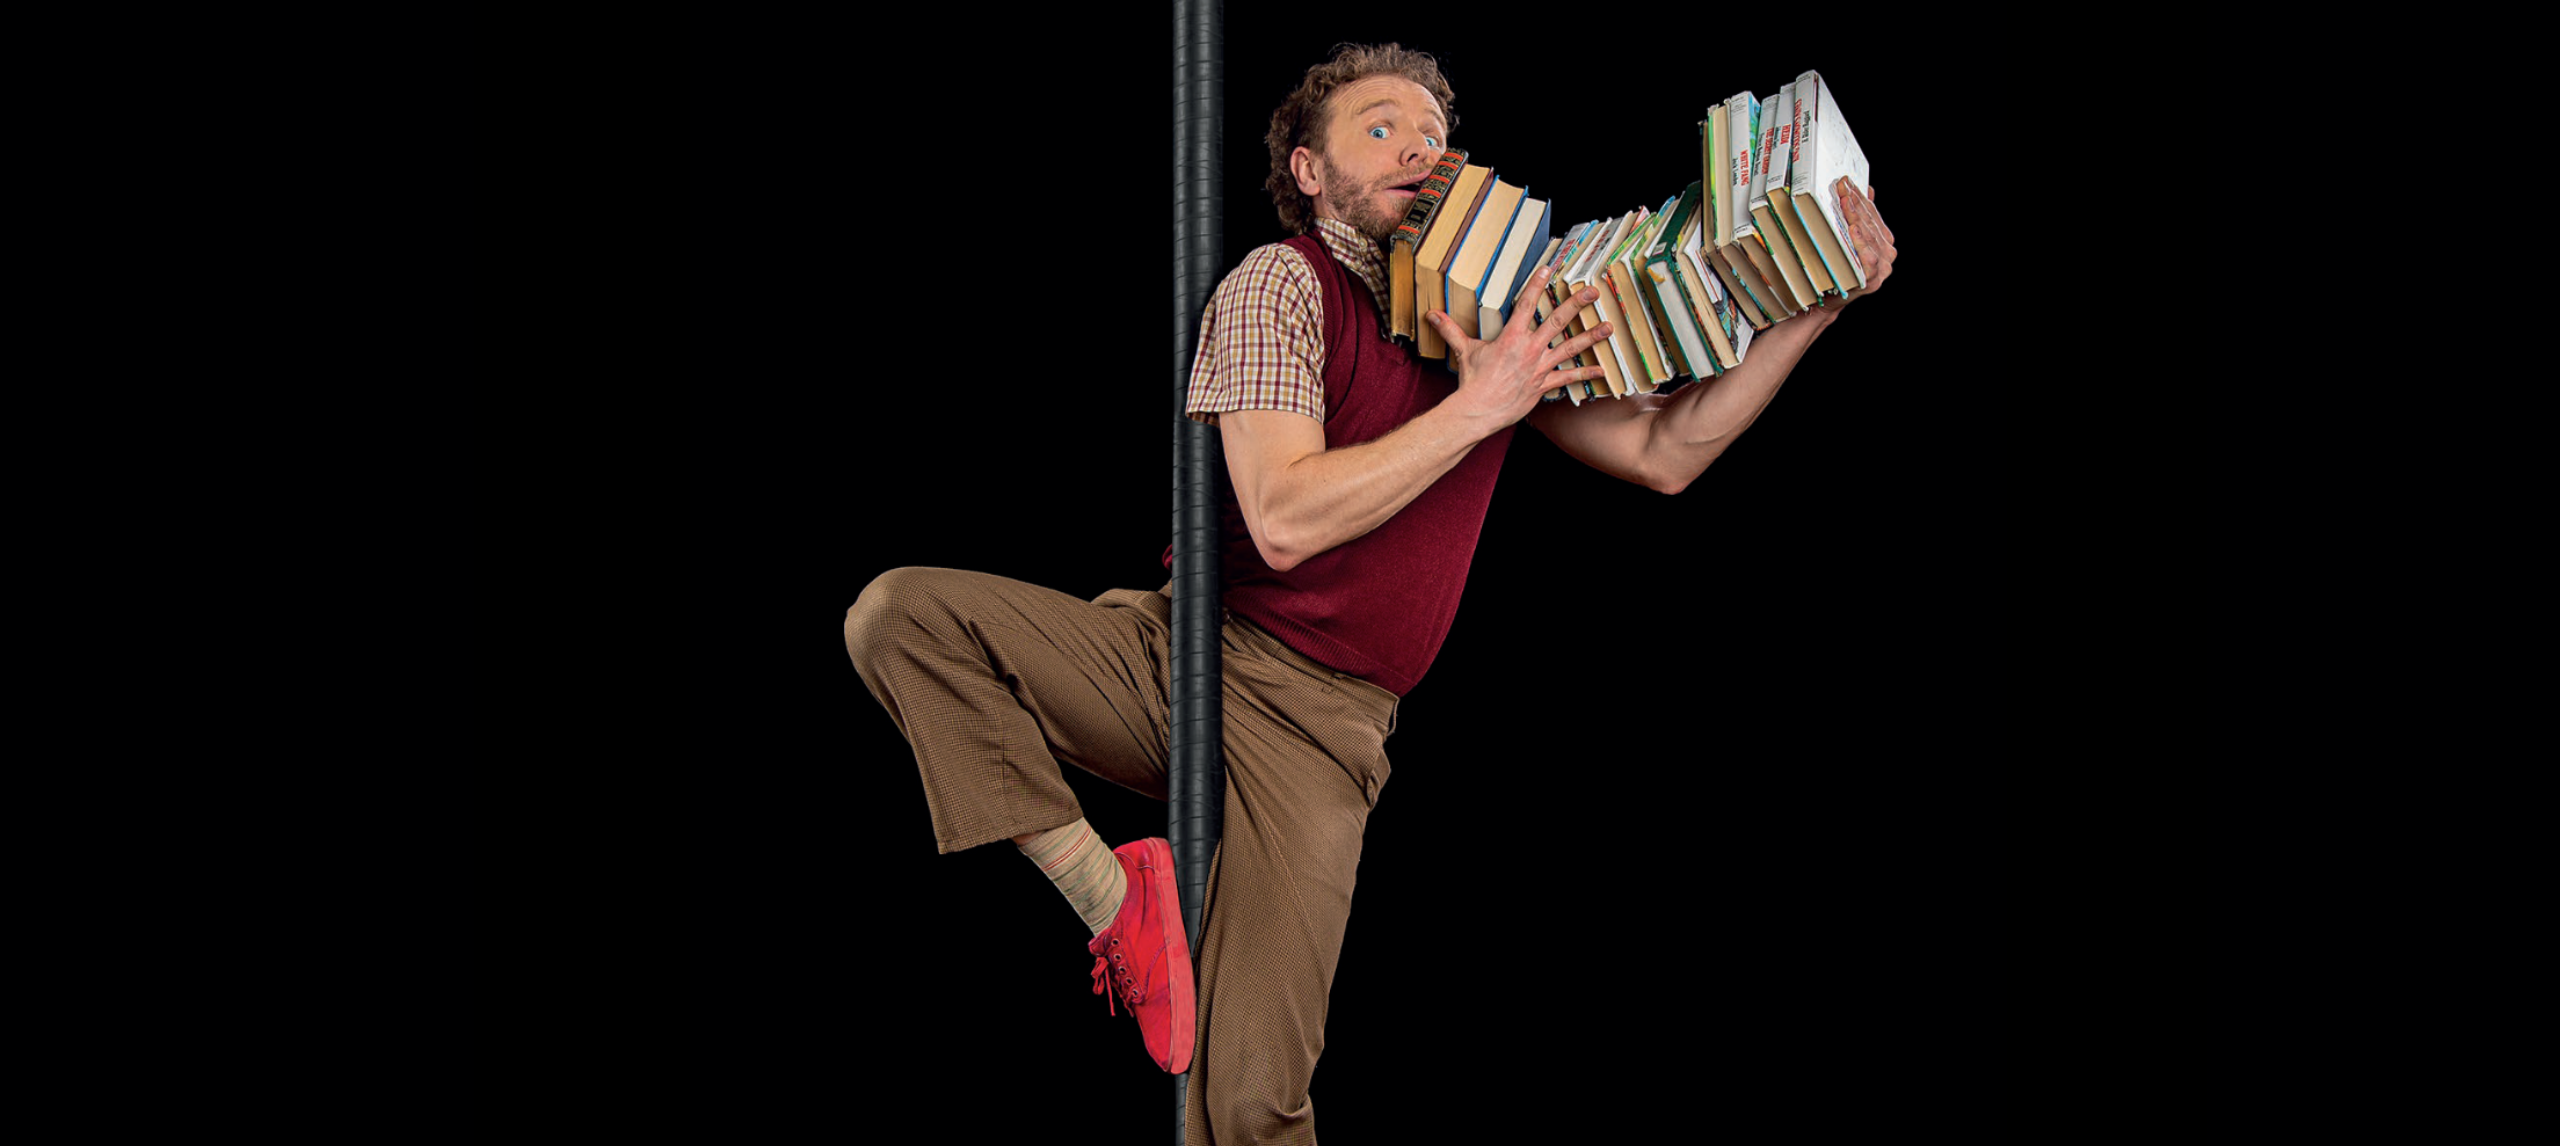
(1361, 206)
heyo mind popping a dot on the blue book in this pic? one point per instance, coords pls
(1511, 268)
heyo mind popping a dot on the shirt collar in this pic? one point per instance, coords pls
(1359, 256)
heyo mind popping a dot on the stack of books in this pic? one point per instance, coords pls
(1759, 238)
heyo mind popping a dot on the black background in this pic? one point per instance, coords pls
(1690, 823)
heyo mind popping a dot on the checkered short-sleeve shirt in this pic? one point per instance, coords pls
(1262, 343)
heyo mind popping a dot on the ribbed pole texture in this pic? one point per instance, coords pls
(1196, 776)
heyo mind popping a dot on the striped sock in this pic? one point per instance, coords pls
(1074, 858)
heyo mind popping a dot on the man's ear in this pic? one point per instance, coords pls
(1302, 164)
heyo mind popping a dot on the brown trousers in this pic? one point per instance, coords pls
(994, 681)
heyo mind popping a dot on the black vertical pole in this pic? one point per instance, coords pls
(1196, 772)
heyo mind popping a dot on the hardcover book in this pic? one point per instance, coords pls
(1726, 256)
(1431, 259)
(1472, 264)
(1830, 153)
(1511, 267)
(1792, 179)
(1777, 149)
(1408, 237)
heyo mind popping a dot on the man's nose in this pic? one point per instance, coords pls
(1415, 154)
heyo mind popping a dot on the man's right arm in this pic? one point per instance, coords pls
(1300, 499)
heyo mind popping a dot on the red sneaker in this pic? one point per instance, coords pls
(1143, 960)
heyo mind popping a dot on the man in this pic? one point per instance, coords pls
(1360, 475)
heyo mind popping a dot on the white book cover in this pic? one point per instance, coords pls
(1817, 266)
(1831, 151)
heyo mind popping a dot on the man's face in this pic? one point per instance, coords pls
(1381, 137)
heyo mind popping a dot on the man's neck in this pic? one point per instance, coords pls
(1374, 247)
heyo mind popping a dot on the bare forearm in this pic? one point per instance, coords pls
(1301, 499)
(1326, 499)
(1697, 424)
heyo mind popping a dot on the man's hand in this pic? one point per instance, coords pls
(1867, 231)
(1502, 379)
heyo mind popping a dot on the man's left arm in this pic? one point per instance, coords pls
(1665, 443)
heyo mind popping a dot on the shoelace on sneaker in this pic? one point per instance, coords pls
(1104, 966)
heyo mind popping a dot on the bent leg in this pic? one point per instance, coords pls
(994, 682)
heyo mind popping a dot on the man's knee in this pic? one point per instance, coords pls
(885, 615)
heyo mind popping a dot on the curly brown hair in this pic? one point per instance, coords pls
(1301, 119)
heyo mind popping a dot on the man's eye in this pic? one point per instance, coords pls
(1379, 132)
(1431, 143)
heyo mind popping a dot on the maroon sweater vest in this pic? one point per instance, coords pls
(1379, 606)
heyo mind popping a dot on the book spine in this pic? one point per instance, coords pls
(1793, 141)
(1767, 155)
(1428, 197)
(1719, 218)
(1743, 131)
(1707, 148)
